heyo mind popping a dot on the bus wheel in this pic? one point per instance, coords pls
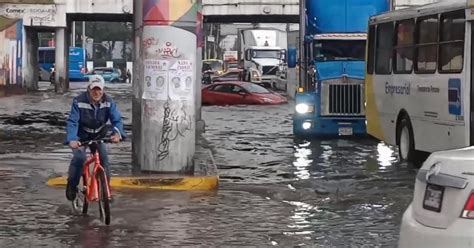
(405, 140)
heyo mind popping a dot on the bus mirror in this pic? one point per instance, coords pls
(291, 57)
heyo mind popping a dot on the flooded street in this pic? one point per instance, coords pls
(274, 191)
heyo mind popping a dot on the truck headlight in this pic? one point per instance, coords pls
(303, 108)
(255, 75)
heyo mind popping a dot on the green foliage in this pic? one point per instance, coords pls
(107, 34)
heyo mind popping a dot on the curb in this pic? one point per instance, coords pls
(159, 183)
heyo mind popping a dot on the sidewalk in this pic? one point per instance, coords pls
(37, 121)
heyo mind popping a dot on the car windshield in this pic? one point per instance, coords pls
(266, 54)
(215, 65)
(330, 50)
(253, 88)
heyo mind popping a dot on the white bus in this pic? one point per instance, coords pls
(418, 82)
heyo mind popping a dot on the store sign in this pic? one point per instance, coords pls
(32, 14)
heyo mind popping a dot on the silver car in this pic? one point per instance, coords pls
(442, 211)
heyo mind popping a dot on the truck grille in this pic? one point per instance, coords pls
(269, 70)
(343, 98)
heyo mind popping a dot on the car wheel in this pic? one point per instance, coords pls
(405, 140)
(114, 81)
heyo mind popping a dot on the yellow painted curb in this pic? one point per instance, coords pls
(159, 183)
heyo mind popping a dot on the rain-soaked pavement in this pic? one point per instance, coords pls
(275, 191)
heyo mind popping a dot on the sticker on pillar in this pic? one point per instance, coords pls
(181, 78)
(156, 79)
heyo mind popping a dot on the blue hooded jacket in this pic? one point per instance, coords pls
(86, 121)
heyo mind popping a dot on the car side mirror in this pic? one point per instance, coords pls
(243, 93)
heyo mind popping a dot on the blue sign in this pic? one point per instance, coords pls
(454, 96)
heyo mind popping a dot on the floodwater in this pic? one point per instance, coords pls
(275, 191)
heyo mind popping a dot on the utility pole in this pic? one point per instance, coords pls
(302, 63)
(164, 113)
(84, 35)
(73, 34)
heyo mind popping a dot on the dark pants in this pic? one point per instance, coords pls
(78, 160)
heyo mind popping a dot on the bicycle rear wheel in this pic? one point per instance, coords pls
(104, 202)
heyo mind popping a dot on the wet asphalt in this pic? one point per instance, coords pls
(275, 191)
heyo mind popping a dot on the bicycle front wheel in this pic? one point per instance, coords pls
(104, 201)
(80, 203)
(85, 205)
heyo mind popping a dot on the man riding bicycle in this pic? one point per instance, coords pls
(90, 112)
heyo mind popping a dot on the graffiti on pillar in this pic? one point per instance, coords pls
(175, 124)
(168, 51)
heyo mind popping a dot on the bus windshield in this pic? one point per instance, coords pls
(330, 50)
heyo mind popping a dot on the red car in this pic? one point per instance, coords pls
(238, 92)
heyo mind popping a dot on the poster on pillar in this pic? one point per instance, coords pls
(156, 79)
(177, 47)
(181, 77)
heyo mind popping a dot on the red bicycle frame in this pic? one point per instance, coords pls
(92, 190)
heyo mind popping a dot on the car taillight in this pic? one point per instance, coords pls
(83, 70)
(468, 211)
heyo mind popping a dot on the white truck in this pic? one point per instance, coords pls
(264, 50)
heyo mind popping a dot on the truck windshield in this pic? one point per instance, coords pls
(266, 54)
(330, 50)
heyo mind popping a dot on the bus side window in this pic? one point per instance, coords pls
(49, 56)
(40, 57)
(405, 46)
(384, 48)
(427, 47)
(451, 45)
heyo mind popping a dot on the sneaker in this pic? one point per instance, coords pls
(70, 192)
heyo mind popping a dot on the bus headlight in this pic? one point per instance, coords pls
(303, 108)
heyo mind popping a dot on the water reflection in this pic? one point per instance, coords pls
(385, 155)
(302, 161)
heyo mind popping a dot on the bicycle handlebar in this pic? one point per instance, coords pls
(98, 141)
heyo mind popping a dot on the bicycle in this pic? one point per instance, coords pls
(95, 186)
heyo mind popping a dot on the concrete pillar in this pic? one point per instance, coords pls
(164, 86)
(200, 124)
(137, 76)
(30, 62)
(61, 61)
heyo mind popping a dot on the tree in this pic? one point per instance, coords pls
(108, 33)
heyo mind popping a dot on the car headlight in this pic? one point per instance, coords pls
(303, 108)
